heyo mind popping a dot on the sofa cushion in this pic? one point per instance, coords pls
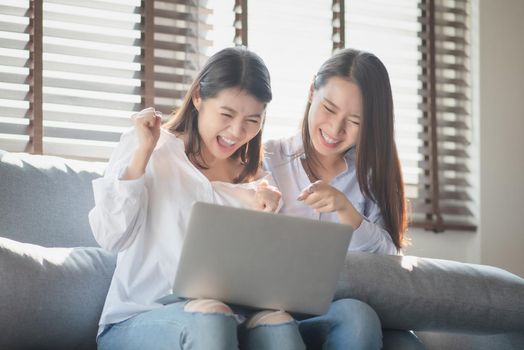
(431, 294)
(51, 298)
(45, 200)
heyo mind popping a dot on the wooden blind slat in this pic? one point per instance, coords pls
(12, 128)
(166, 45)
(92, 53)
(14, 95)
(14, 11)
(14, 78)
(98, 5)
(455, 181)
(14, 44)
(457, 153)
(14, 28)
(91, 102)
(458, 82)
(446, 66)
(171, 78)
(457, 110)
(92, 37)
(92, 70)
(443, 38)
(82, 134)
(75, 18)
(92, 86)
(456, 124)
(457, 139)
(79, 149)
(108, 119)
(446, 9)
(14, 112)
(444, 23)
(186, 32)
(14, 61)
(170, 93)
(458, 96)
(174, 63)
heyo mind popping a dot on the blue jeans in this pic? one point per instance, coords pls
(170, 327)
(349, 324)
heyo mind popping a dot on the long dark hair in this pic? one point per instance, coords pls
(228, 68)
(377, 164)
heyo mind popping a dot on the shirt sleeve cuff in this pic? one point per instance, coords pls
(370, 237)
(113, 187)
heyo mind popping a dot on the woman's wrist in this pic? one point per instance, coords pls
(348, 215)
(137, 166)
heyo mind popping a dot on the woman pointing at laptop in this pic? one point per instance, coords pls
(343, 167)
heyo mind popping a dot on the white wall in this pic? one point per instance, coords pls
(498, 98)
(502, 133)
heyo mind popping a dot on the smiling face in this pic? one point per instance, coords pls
(227, 121)
(334, 117)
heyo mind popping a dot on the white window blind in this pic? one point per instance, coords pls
(100, 61)
(15, 78)
(92, 74)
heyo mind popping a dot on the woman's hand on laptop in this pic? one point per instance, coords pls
(267, 197)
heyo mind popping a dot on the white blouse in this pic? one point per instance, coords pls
(144, 220)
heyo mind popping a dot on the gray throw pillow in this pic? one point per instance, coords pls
(45, 200)
(51, 298)
(429, 294)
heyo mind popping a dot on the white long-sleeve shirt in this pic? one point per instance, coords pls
(283, 159)
(144, 221)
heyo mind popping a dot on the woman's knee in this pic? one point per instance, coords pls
(345, 310)
(271, 330)
(207, 306)
(268, 317)
(210, 324)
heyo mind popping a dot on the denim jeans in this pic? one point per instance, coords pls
(349, 324)
(170, 327)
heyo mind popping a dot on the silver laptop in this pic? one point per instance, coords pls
(261, 260)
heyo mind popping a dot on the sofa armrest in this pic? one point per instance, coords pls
(429, 294)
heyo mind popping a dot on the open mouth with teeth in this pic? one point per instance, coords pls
(327, 140)
(225, 143)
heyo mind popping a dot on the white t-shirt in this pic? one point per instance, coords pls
(144, 220)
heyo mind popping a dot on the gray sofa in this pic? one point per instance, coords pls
(54, 278)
